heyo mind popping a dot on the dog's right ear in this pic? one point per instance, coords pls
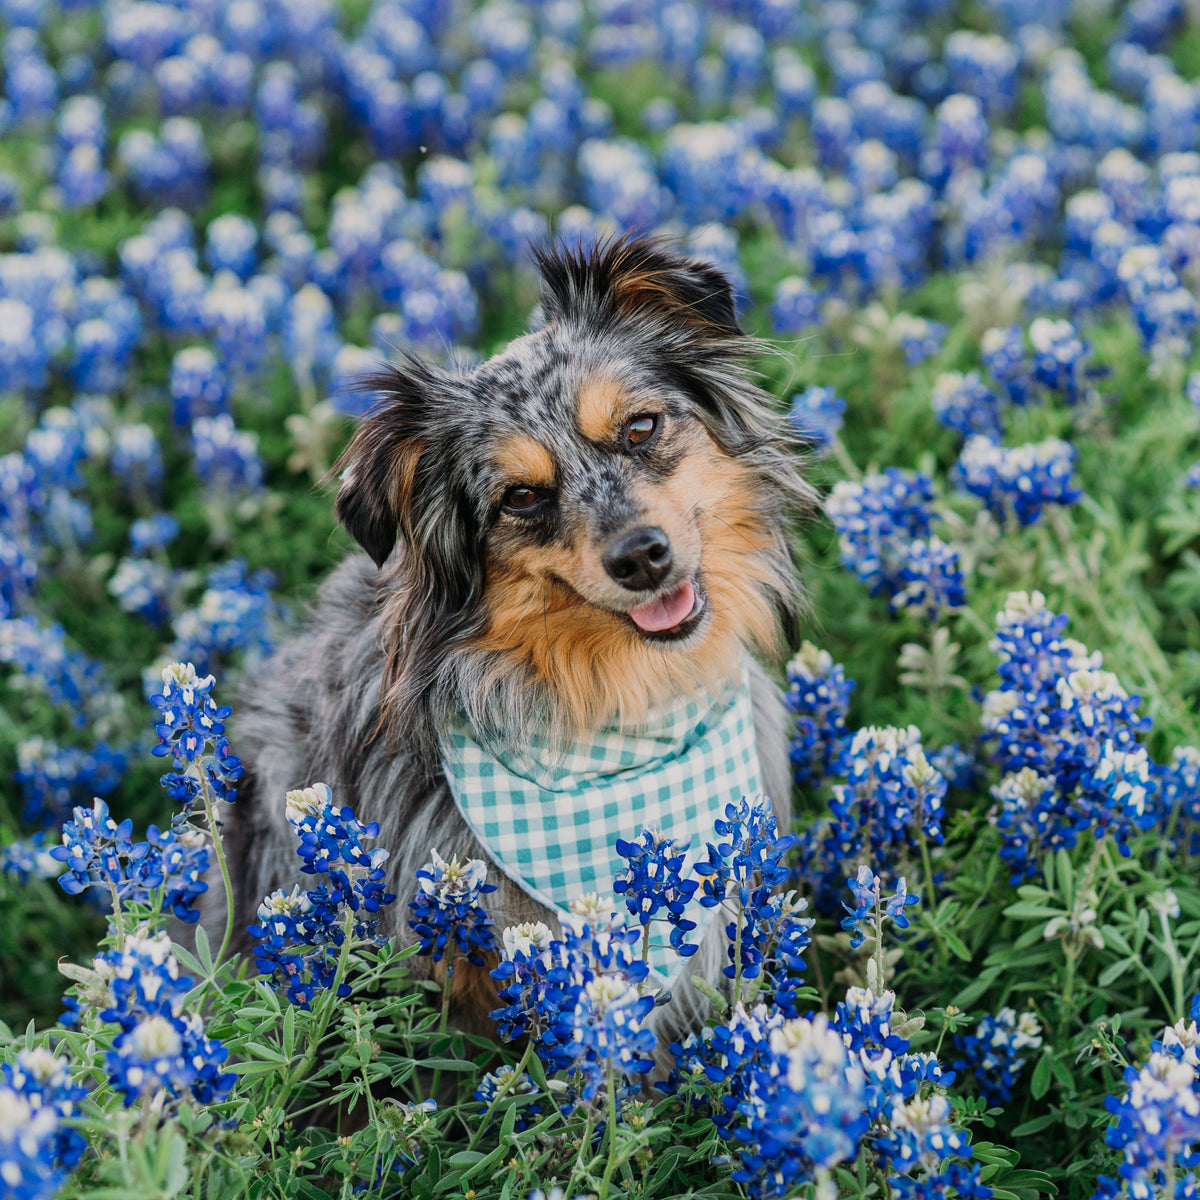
(380, 464)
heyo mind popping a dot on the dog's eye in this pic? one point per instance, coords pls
(522, 499)
(641, 429)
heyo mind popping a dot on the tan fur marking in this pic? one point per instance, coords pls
(525, 460)
(595, 662)
(599, 407)
(407, 458)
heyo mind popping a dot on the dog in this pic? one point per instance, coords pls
(595, 522)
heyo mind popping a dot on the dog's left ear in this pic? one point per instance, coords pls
(637, 276)
(380, 464)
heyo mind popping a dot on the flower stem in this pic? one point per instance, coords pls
(444, 1020)
(327, 1010)
(501, 1092)
(219, 851)
(611, 1133)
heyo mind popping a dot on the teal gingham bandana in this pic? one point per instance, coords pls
(552, 825)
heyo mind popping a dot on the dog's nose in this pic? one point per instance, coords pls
(640, 559)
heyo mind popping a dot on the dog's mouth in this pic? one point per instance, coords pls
(671, 616)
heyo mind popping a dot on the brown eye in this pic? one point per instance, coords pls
(522, 499)
(641, 429)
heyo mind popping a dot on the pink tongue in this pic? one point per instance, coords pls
(664, 612)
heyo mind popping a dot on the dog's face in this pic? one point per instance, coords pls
(598, 512)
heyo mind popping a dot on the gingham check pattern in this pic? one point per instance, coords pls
(551, 824)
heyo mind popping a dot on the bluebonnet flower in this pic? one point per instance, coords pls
(806, 1105)
(768, 932)
(238, 319)
(43, 1079)
(137, 458)
(232, 242)
(331, 844)
(921, 1146)
(226, 458)
(819, 694)
(94, 849)
(192, 731)
(148, 535)
(36, 1150)
(529, 1000)
(1058, 354)
(964, 403)
(68, 677)
(816, 416)
(544, 980)
(750, 855)
(1179, 801)
(993, 1053)
(144, 587)
(160, 1049)
(53, 778)
(1003, 353)
(795, 307)
(893, 801)
(654, 887)
(920, 339)
(620, 182)
(234, 614)
(166, 869)
(300, 934)
(984, 66)
(198, 386)
(447, 916)
(796, 1098)
(30, 858)
(1157, 1122)
(931, 580)
(870, 905)
(1034, 817)
(877, 520)
(608, 1032)
(309, 333)
(696, 164)
(1018, 481)
(297, 937)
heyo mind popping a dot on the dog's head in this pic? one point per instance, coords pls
(592, 520)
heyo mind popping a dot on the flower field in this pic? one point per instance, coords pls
(968, 237)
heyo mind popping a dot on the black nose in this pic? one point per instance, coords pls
(640, 559)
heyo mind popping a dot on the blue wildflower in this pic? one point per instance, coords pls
(871, 905)
(653, 884)
(819, 694)
(993, 1053)
(192, 732)
(816, 416)
(964, 403)
(877, 520)
(331, 844)
(447, 916)
(1018, 481)
(932, 580)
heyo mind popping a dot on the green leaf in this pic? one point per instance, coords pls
(1039, 1084)
(710, 993)
(466, 1158)
(957, 946)
(1066, 876)
(1114, 971)
(1036, 1125)
(203, 953)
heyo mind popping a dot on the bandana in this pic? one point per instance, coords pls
(551, 822)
